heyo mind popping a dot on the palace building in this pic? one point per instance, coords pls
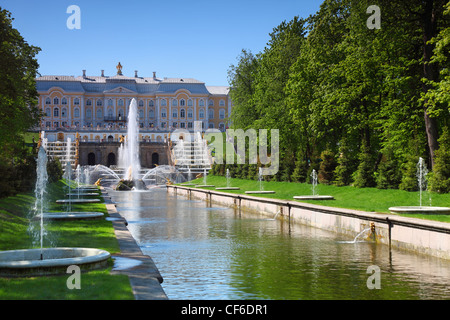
(95, 109)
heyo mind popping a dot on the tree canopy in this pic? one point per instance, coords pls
(328, 81)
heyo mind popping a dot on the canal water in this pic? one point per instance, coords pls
(212, 253)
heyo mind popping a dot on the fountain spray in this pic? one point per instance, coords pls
(39, 191)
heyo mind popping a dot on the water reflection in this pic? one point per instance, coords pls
(220, 253)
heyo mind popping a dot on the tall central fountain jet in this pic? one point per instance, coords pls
(129, 151)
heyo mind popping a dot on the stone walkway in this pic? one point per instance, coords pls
(145, 278)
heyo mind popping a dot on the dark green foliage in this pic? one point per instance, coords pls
(345, 167)
(388, 173)
(409, 174)
(439, 180)
(328, 79)
(364, 175)
(327, 167)
(54, 170)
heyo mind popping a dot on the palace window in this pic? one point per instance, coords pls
(56, 112)
(151, 103)
(48, 112)
(189, 113)
(201, 103)
(174, 103)
(163, 112)
(211, 103)
(182, 125)
(222, 114)
(189, 125)
(56, 101)
(201, 113)
(110, 113)
(141, 103)
(88, 113)
(222, 103)
(110, 103)
(182, 113)
(141, 114)
(182, 102)
(76, 101)
(63, 112)
(64, 101)
(76, 113)
(163, 102)
(174, 113)
(151, 114)
(120, 103)
(48, 101)
(190, 103)
(89, 102)
(99, 113)
(211, 113)
(99, 103)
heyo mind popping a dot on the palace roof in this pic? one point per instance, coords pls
(139, 85)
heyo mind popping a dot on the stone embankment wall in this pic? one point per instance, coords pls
(421, 236)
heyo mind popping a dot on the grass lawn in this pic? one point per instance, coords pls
(98, 284)
(365, 199)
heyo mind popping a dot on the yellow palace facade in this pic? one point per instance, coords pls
(96, 107)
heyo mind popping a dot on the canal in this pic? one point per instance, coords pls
(212, 253)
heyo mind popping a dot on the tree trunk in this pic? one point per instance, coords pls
(430, 70)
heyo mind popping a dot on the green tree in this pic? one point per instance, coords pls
(18, 93)
(439, 180)
(327, 167)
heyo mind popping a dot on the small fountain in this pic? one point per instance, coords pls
(261, 187)
(315, 195)
(68, 214)
(47, 261)
(422, 184)
(205, 185)
(228, 187)
(189, 178)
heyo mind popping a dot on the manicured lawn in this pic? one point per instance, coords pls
(98, 284)
(365, 199)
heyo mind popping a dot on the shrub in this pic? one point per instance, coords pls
(364, 175)
(409, 174)
(54, 170)
(388, 173)
(300, 169)
(439, 180)
(344, 168)
(327, 167)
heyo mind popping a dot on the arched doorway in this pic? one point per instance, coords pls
(155, 159)
(111, 159)
(91, 159)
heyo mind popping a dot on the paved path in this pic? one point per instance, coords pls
(145, 278)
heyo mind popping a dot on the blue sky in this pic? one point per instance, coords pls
(191, 39)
